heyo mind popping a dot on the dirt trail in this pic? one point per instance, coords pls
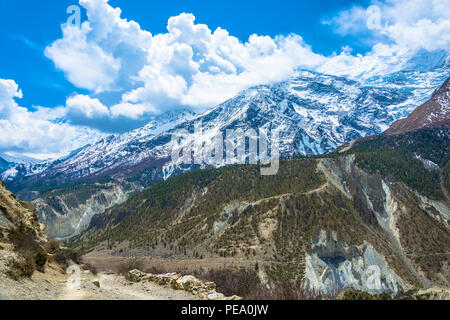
(53, 286)
(115, 287)
(284, 195)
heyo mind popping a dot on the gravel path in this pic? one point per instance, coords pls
(114, 287)
(53, 286)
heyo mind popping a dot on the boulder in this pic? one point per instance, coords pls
(171, 278)
(187, 283)
(210, 286)
(136, 275)
(204, 290)
(233, 298)
(214, 295)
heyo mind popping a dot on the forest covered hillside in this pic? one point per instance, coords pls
(384, 203)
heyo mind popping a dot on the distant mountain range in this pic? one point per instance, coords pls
(312, 113)
(378, 207)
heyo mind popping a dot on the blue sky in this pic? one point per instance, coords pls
(27, 27)
(62, 86)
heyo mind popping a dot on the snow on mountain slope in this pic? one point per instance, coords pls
(5, 165)
(384, 62)
(434, 113)
(9, 162)
(18, 158)
(313, 113)
(107, 151)
(104, 152)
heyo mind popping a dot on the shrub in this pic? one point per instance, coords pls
(362, 295)
(52, 245)
(286, 291)
(22, 267)
(26, 244)
(22, 238)
(240, 281)
(63, 256)
(157, 270)
(131, 264)
(246, 283)
(40, 259)
(90, 267)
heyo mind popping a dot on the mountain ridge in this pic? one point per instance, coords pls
(432, 114)
(324, 220)
(313, 114)
(327, 220)
(314, 139)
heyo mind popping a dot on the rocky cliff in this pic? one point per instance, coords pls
(67, 212)
(22, 238)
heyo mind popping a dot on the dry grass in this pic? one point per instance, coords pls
(245, 282)
(239, 281)
(131, 264)
(286, 291)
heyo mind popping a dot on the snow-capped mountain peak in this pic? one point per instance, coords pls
(104, 152)
(312, 113)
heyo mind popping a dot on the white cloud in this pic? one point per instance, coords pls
(349, 22)
(83, 105)
(407, 34)
(193, 66)
(85, 63)
(87, 108)
(412, 24)
(417, 24)
(85, 111)
(8, 91)
(189, 66)
(104, 52)
(33, 132)
(131, 111)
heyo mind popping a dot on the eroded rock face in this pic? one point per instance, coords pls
(19, 219)
(14, 213)
(332, 265)
(66, 215)
(400, 211)
(438, 210)
(229, 216)
(382, 234)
